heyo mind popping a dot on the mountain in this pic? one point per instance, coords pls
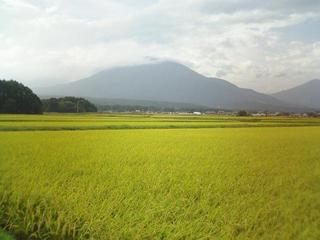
(307, 94)
(168, 82)
(144, 103)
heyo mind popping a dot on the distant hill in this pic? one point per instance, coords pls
(307, 94)
(168, 82)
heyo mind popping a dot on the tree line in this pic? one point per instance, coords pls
(68, 105)
(17, 98)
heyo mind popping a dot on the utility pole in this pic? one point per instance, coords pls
(77, 106)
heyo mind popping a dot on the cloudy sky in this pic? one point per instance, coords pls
(264, 45)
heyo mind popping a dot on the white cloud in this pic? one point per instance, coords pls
(49, 41)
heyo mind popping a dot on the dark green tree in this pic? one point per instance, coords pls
(243, 113)
(17, 98)
(68, 105)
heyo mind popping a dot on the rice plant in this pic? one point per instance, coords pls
(221, 183)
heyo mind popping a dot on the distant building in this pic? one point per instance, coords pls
(275, 114)
(211, 112)
(197, 113)
(258, 114)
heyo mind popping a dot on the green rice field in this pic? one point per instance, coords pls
(123, 121)
(104, 176)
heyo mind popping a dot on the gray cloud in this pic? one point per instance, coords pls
(284, 6)
(250, 43)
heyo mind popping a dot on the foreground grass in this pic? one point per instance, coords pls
(254, 183)
(5, 236)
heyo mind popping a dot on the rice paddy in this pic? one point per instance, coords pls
(108, 121)
(196, 177)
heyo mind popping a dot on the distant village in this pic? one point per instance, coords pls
(223, 113)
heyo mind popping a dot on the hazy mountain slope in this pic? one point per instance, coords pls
(307, 94)
(170, 82)
(146, 103)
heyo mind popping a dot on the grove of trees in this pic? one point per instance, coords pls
(17, 98)
(68, 105)
(243, 113)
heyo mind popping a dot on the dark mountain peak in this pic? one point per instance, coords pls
(307, 94)
(167, 63)
(168, 81)
(153, 64)
(314, 82)
(166, 69)
(151, 68)
(311, 83)
(307, 85)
